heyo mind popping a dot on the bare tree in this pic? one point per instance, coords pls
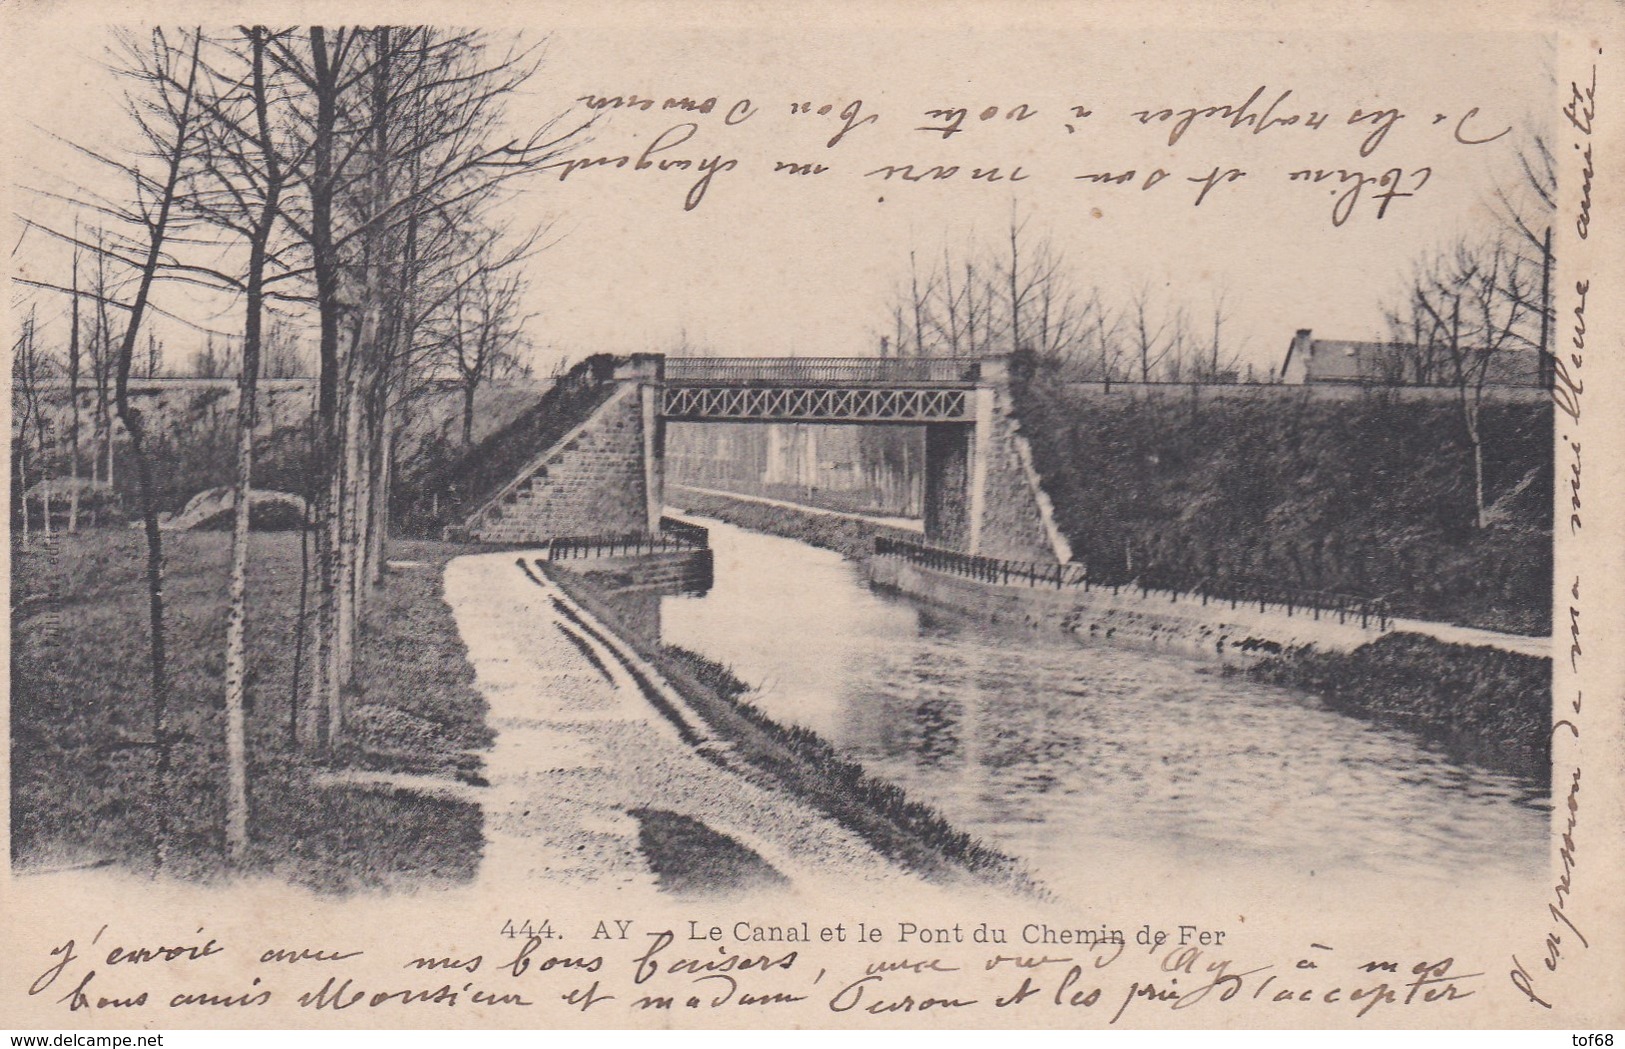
(991, 302)
(43, 365)
(322, 63)
(1409, 357)
(403, 134)
(1526, 208)
(282, 356)
(1019, 289)
(212, 362)
(1156, 334)
(1060, 320)
(240, 182)
(75, 355)
(978, 309)
(1182, 361)
(1466, 308)
(918, 300)
(1039, 311)
(389, 152)
(31, 370)
(485, 328)
(955, 319)
(163, 107)
(102, 367)
(1221, 361)
(1104, 357)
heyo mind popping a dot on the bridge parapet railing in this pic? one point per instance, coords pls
(1313, 603)
(684, 539)
(745, 371)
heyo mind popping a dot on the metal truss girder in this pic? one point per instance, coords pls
(815, 404)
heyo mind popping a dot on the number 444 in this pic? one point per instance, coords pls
(542, 931)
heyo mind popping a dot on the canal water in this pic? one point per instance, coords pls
(1099, 765)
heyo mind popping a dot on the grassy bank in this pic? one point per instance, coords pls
(799, 761)
(851, 538)
(1481, 704)
(444, 480)
(83, 780)
(1369, 496)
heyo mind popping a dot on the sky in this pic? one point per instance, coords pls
(773, 262)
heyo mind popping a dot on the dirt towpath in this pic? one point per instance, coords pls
(582, 759)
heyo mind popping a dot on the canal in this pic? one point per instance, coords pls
(1100, 765)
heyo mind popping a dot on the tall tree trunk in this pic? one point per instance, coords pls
(1478, 472)
(367, 369)
(1466, 390)
(382, 484)
(131, 417)
(361, 539)
(322, 707)
(971, 349)
(73, 393)
(1547, 370)
(237, 607)
(338, 584)
(330, 612)
(348, 535)
(22, 487)
(22, 462)
(1015, 296)
(45, 493)
(301, 627)
(919, 307)
(247, 419)
(42, 425)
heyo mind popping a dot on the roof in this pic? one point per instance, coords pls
(1353, 361)
(1340, 360)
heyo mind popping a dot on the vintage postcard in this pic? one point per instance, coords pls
(864, 515)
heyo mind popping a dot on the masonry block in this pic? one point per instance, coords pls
(1016, 520)
(591, 483)
(981, 494)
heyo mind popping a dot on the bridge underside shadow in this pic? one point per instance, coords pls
(949, 501)
(981, 494)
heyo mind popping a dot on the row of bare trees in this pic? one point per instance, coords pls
(30, 370)
(38, 367)
(1018, 294)
(282, 354)
(1478, 312)
(356, 177)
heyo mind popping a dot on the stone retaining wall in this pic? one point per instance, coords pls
(1157, 620)
(668, 573)
(591, 483)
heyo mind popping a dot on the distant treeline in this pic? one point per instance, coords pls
(194, 433)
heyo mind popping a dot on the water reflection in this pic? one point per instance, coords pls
(1077, 757)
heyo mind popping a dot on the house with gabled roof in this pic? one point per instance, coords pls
(1312, 361)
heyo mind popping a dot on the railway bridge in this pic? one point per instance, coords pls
(982, 495)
